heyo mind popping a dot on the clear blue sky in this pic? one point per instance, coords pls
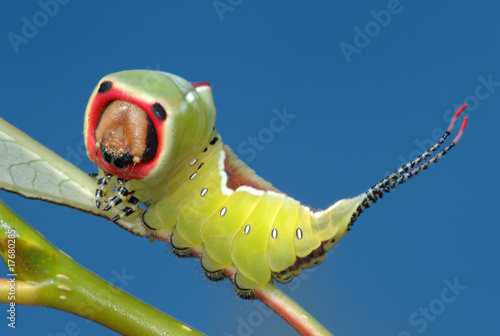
(363, 103)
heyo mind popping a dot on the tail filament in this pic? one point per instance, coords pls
(410, 169)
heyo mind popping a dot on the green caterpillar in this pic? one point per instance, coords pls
(152, 136)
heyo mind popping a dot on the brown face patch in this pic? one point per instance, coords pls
(124, 134)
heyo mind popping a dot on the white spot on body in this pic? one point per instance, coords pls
(274, 233)
(203, 192)
(299, 234)
(247, 229)
(223, 211)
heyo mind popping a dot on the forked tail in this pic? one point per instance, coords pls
(408, 170)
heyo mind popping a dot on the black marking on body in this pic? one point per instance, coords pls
(133, 200)
(123, 191)
(114, 202)
(105, 87)
(151, 142)
(128, 211)
(214, 140)
(311, 260)
(158, 111)
(145, 223)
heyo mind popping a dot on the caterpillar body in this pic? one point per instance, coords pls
(152, 136)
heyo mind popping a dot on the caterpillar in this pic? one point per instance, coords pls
(153, 139)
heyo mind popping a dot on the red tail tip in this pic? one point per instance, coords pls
(462, 129)
(455, 116)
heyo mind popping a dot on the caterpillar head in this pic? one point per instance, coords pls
(142, 124)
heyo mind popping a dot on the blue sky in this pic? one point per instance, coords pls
(367, 82)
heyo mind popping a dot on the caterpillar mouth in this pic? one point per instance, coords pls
(125, 134)
(120, 161)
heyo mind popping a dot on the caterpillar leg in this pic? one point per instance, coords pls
(111, 192)
(232, 273)
(127, 210)
(183, 253)
(103, 189)
(215, 276)
(247, 294)
(313, 259)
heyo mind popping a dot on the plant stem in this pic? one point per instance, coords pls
(48, 277)
(290, 311)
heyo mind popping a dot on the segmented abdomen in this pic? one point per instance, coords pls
(216, 202)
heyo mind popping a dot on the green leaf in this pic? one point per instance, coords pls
(32, 170)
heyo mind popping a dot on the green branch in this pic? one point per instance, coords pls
(48, 277)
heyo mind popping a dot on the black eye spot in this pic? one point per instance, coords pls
(105, 87)
(159, 111)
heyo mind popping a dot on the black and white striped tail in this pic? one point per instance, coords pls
(410, 169)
